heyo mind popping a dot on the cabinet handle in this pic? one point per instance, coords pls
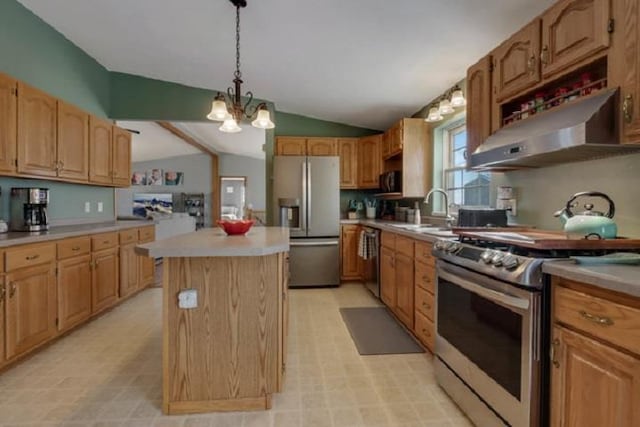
(106, 242)
(424, 331)
(425, 305)
(3, 292)
(544, 55)
(75, 248)
(32, 257)
(426, 279)
(552, 353)
(531, 64)
(627, 108)
(604, 321)
(12, 289)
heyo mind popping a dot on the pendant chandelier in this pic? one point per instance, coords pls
(230, 109)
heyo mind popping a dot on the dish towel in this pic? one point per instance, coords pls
(367, 247)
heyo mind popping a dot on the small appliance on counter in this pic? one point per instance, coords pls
(28, 209)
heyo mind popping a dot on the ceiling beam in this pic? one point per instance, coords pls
(186, 138)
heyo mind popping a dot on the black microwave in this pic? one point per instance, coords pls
(391, 182)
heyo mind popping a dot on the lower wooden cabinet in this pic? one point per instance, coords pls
(404, 306)
(30, 308)
(128, 270)
(104, 282)
(146, 271)
(3, 293)
(351, 266)
(74, 291)
(387, 277)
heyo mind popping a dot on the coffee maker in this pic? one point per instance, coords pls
(28, 207)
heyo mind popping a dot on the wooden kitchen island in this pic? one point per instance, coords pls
(227, 353)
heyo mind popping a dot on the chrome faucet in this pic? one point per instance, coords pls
(448, 217)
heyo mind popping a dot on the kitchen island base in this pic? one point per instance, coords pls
(228, 353)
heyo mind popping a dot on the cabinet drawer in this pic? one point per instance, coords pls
(129, 236)
(146, 234)
(404, 245)
(425, 330)
(104, 241)
(425, 276)
(423, 253)
(609, 321)
(388, 240)
(73, 247)
(425, 303)
(26, 256)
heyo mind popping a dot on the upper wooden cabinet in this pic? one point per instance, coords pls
(121, 166)
(8, 123)
(322, 147)
(394, 140)
(73, 143)
(291, 146)
(628, 69)
(516, 62)
(37, 132)
(478, 104)
(572, 31)
(369, 161)
(100, 151)
(348, 152)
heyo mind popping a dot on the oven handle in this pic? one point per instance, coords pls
(490, 294)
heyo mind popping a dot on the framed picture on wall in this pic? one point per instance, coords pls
(139, 178)
(155, 177)
(173, 178)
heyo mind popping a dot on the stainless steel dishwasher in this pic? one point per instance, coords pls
(372, 264)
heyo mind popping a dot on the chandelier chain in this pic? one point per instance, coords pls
(238, 74)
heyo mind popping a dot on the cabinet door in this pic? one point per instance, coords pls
(404, 289)
(128, 270)
(478, 104)
(104, 279)
(121, 157)
(349, 248)
(516, 62)
(348, 152)
(3, 295)
(592, 385)
(30, 308)
(291, 146)
(73, 142)
(37, 134)
(572, 31)
(395, 138)
(322, 147)
(100, 151)
(387, 277)
(74, 291)
(386, 144)
(147, 271)
(8, 123)
(369, 162)
(628, 67)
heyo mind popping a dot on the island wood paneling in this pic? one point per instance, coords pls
(222, 355)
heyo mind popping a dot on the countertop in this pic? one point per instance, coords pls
(619, 278)
(15, 238)
(213, 242)
(409, 230)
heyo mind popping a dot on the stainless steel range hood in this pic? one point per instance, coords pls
(585, 129)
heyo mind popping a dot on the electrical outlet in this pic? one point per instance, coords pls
(188, 298)
(87, 207)
(100, 207)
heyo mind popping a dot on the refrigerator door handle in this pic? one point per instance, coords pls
(331, 243)
(303, 204)
(309, 196)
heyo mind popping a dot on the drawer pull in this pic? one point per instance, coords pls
(604, 321)
(424, 331)
(106, 242)
(426, 279)
(552, 353)
(12, 289)
(32, 257)
(427, 306)
(75, 248)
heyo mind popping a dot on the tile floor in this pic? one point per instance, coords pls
(108, 373)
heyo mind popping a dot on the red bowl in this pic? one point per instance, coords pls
(235, 227)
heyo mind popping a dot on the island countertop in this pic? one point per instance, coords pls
(213, 242)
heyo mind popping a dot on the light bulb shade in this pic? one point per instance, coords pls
(434, 115)
(263, 121)
(230, 126)
(218, 110)
(445, 107)
(457, 99)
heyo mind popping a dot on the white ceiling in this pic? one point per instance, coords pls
(154, 142)
(361, 62)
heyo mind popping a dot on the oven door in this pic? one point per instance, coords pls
(488, 334)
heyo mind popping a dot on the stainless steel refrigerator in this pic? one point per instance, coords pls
(306, 193)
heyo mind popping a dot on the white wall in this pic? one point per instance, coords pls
(254, 170)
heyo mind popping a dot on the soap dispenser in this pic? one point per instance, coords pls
(417, 215)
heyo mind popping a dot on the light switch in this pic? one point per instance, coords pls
(100, 207)
(87, 207)
(188, 298)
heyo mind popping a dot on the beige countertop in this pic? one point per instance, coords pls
(213, 242)
(423, 232)
(619, 278)
(15, 238)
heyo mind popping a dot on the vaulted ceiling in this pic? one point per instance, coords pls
(360, 62)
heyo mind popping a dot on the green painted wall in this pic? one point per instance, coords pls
(32, 51)
(288, 124)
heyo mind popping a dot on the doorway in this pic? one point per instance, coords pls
(233, 197)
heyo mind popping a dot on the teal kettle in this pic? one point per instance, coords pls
(589, 224)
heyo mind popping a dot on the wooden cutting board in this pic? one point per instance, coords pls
(549, 240)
